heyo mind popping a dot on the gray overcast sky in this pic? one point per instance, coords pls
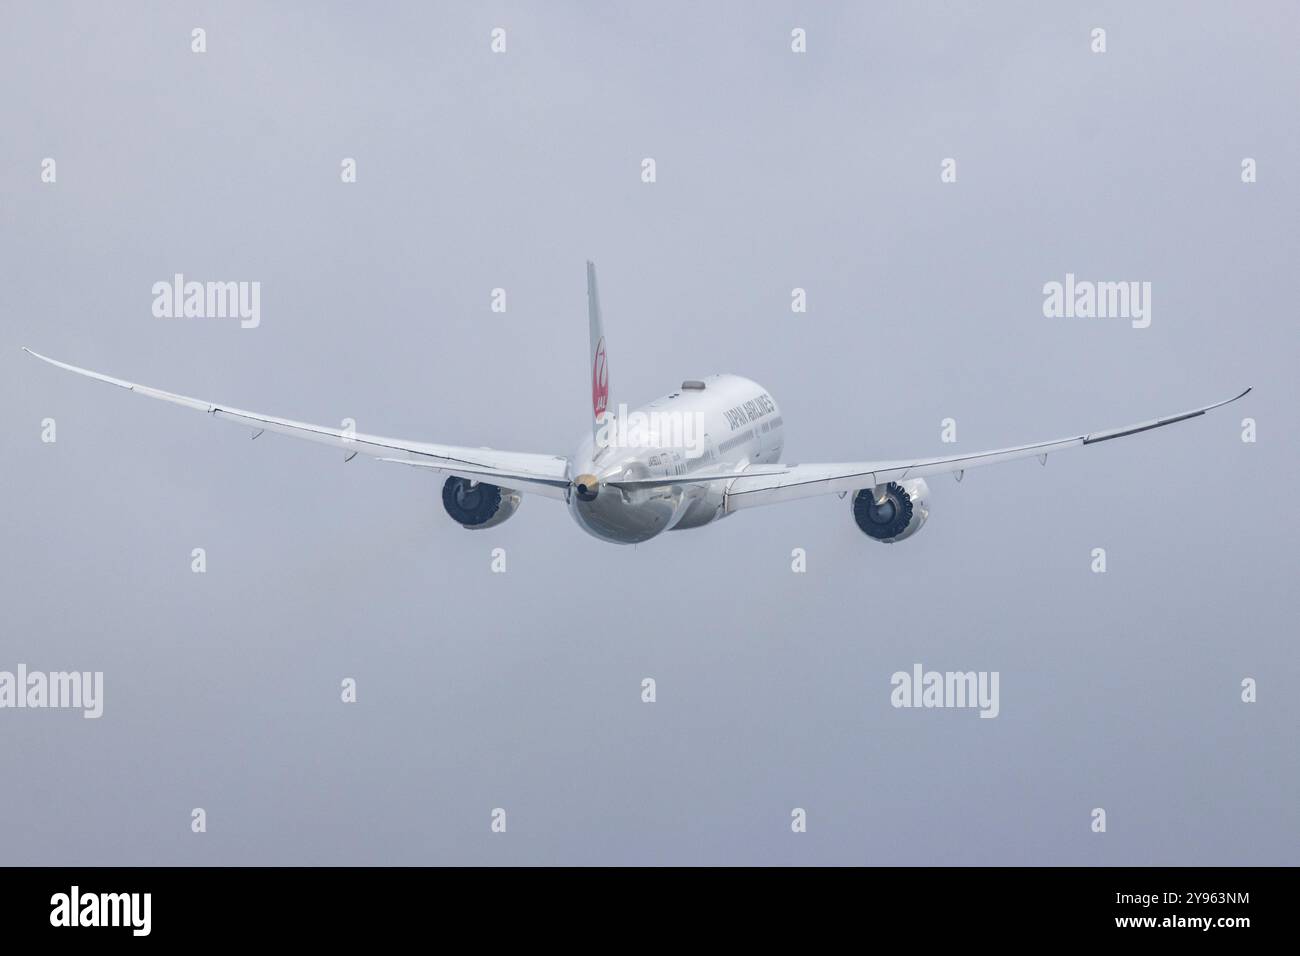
(522, 690)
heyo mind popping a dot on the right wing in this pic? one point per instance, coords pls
(541, 474)
(804, 481)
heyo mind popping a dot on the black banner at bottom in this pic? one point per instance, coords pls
(92, 905)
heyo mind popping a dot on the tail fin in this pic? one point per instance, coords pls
(599, 362)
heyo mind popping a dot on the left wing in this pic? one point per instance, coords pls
(540, 474)
(803, 481)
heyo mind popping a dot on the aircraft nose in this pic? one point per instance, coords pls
(586, 487)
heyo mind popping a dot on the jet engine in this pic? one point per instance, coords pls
(894, 511)
(476, 504)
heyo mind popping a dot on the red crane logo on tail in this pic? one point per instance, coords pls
(599, 381)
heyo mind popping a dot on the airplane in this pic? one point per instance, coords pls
(687, 459)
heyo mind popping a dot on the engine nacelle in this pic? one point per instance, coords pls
(900, 515)
(476, 504)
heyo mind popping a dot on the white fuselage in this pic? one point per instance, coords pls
(726, 425)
